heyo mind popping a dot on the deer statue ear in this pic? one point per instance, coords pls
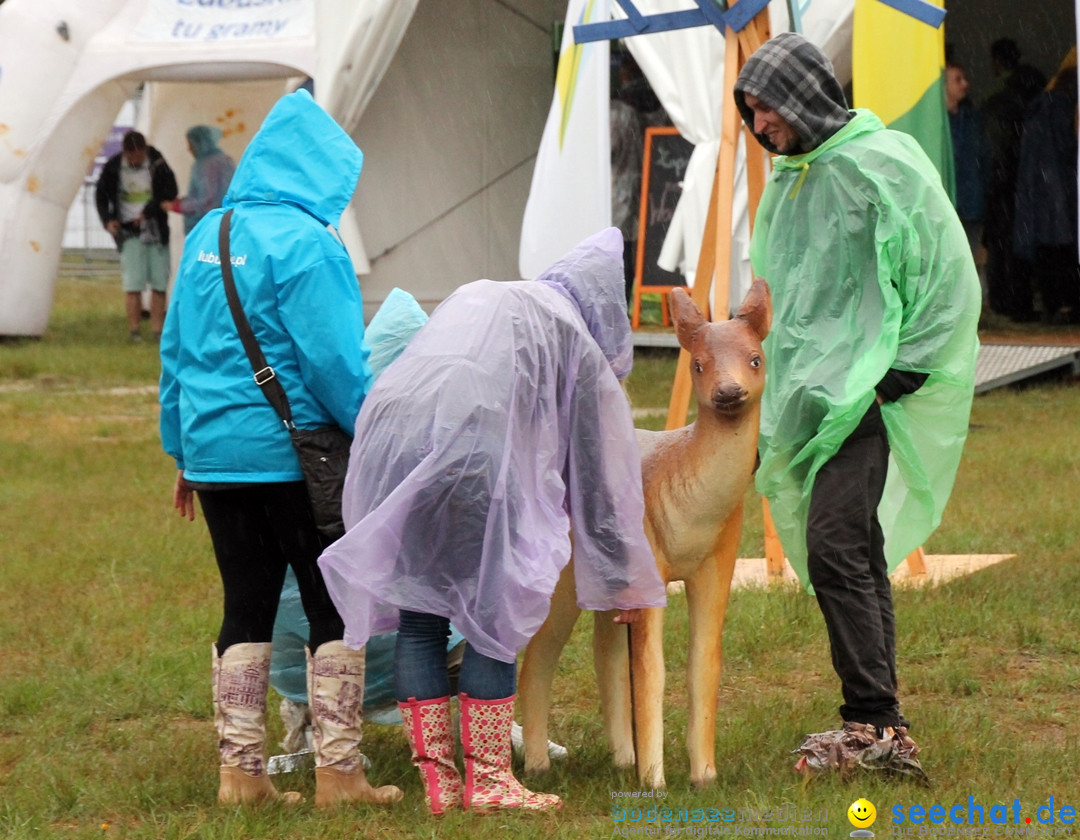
(756, 308)
(686, 315)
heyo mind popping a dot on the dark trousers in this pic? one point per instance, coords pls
(1008, 278)
(1059, 282)
(257, 531)
(846, 564)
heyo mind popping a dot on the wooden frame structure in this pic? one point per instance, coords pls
(715, 255)
(745, 24)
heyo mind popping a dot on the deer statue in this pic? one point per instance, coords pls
(694, 479)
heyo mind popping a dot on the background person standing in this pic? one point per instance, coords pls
(1008, 278)
(1045, 230)
(971, 157)
(129, 194)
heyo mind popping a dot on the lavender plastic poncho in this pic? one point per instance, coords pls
(501, 423)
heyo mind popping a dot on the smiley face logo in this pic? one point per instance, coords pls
(862, 813)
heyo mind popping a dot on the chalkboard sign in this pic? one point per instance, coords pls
(664, 166)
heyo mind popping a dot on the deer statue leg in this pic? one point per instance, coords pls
(612, 664)
(647, 663)
(538, 671)
(707, 591)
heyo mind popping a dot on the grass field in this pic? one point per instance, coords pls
(109, 603)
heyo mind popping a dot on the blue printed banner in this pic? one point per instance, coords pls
(202, 21)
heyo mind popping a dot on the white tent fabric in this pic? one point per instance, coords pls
(355, 45)
(84, 60)
(686, 69)
(570, 197)
(450, 139)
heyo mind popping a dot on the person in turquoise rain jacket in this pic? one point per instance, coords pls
(296, 284)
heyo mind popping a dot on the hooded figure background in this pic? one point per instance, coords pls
(210, 176)
(298, 290)
(871, 354)
(1045, 231)
(501, 423)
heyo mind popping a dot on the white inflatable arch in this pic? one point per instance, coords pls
(67, 67)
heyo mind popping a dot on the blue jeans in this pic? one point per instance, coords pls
(420, 664)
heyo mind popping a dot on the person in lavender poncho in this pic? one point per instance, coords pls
(501, 425)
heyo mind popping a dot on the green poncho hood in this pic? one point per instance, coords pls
(870, 269)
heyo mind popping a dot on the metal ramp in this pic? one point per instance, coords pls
(1006, 364)
(997, 365)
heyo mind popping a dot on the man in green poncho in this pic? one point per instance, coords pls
(871, 355)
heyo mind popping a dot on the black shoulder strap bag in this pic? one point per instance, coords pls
(323, 452)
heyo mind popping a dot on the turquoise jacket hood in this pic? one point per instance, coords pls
(299, 291)
(321, 181)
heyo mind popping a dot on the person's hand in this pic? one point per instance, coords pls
(627, 616)
(184, 497)
(113, 226)
(168, 206)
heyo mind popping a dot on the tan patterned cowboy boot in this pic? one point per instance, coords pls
(240, 677)
(431, 737)
(485, 739)
(335, 677)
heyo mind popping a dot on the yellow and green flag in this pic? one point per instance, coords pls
(898, 72)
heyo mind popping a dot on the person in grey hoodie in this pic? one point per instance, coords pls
(871, 356)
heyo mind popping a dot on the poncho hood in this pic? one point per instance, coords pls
(795, 79)
(592, 276)
(320, 181)
(203, 140)
(863, 121)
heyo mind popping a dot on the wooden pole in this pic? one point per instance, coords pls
(714, 258)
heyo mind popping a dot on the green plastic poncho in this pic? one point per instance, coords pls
(870, 269)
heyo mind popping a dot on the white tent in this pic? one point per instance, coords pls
(447, 100)
(68, 66)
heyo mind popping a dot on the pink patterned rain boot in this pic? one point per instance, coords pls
(485, 738)
(431, 737)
